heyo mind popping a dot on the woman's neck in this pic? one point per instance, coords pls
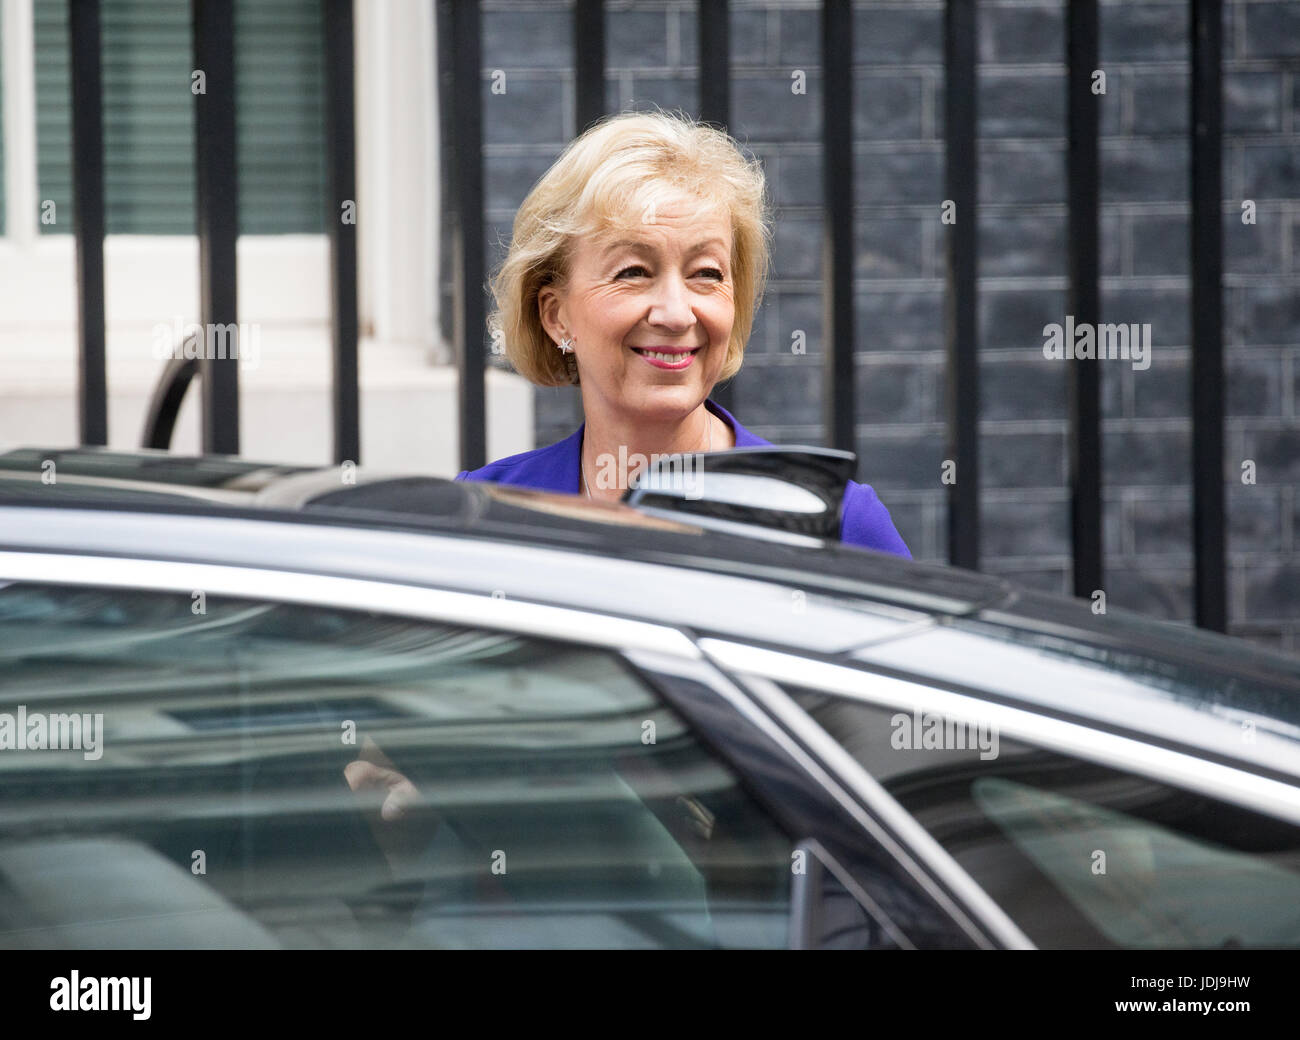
(611, 444)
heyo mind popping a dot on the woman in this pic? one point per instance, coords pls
(634, 271)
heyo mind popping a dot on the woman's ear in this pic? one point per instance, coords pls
(548, 310)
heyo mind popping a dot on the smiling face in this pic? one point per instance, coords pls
(650, 311)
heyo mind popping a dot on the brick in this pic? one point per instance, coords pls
(507, 179)
(1271, 171)
(893, 36)
(1019, 528)
(1167, 311)
(1160, 592)
(798, 311)
(748, 32)
(1143, 32)
(1112, 256)
(1014, 318)
(909, 522)
(766, 108)
(1113, 380)
(1052, 580)
(1156, 458)
(899, 462)
(1113, 521)
(886, 247)
(1253, 248)
(797, 247)
(886, 108)
(936, 542)
(1143, 171)
(1269, 315)
(760, 335)
(785, 394)
(1020, 176)
(1161, 103)
(1254, 386)
(1272, 31)
(1164, 390)
(904, 175)
(1119, 85)
(1033, 389)
(893, 392)
(906, 320)
(1161, 244)
(1163, 526)
(1022, 460)
(1029, 245)
(531, 111)
(496, 241)
(801, 38)
(636, 39)
(1295, 383)
(798, 181)
(1021, 105)
(1276, 453)
(532, 39)
(1267, 637)
(1254, 518)
(1252, 102)
(1271, 590)
(1021, 34)
(666, 92)
(688, 41)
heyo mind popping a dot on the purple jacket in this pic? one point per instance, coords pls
(555, 468)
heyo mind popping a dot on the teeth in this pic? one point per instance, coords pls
(661, 356)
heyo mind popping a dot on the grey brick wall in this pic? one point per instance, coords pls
(899, 286)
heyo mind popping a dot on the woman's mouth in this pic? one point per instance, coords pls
(673, 360)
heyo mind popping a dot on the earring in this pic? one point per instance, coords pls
(565, 345)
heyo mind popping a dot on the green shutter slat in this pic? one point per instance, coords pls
(149, 116)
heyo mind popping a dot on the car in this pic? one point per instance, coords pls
(257, 706)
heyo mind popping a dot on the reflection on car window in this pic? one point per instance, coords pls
(1159, 888)
(277, 775)
(1077, 854)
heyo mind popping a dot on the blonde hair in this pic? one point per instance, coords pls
(604, 180)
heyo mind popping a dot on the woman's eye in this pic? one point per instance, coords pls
(713, 272)
(635, 267)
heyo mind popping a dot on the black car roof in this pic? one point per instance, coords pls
(159, 482)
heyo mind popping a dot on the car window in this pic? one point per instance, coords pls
(196, 770)
(1077, 854)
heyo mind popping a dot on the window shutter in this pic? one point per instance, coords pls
(149, 116)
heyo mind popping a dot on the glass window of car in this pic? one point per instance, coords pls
(1077, 854)
(241, 773)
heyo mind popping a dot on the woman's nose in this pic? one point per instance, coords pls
(672, 306)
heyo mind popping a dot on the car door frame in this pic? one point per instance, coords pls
(716, 706)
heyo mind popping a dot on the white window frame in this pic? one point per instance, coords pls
(283, 279)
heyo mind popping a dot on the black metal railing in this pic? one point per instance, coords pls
(217, 222)
(460, 27)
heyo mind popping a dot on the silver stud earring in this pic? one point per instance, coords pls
(565, 345)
